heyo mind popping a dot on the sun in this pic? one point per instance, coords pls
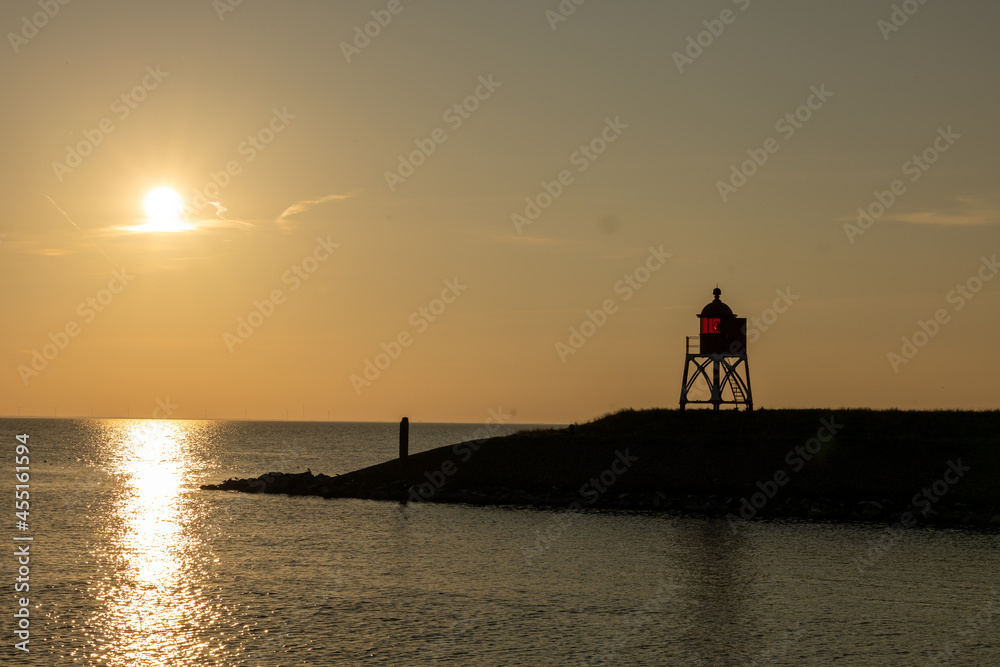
(165, 209)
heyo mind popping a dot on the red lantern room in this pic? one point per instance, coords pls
(721, 331)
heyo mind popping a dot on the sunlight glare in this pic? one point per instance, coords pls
(165, 209)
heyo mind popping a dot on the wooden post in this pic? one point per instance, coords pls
(404, 440)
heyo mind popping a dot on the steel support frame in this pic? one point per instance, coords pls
(725, 368)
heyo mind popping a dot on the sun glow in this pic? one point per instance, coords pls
(165, 209)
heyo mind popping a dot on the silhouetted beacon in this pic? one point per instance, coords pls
(717, 364)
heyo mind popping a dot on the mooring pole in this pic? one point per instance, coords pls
(404, 440)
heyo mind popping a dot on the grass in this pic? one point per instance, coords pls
(871, 455)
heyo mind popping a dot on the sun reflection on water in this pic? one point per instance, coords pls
(154, 610)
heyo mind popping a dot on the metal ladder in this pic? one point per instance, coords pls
(738, 394)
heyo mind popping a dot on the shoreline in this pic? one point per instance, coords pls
(884, 511)
(909, 468)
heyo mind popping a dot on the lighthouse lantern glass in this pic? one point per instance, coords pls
(711, 325)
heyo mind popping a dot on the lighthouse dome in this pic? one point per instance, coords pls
(717, 308)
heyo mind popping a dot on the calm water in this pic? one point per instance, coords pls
(133, 565)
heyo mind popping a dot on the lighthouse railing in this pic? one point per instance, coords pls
(693, 344)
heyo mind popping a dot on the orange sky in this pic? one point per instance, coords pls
(459, 188)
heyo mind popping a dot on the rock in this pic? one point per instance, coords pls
(872, 510)
(521, 497)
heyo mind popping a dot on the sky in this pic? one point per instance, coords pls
(407, 208)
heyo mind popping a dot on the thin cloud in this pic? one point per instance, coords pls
(64, 213)
(50, 252)
(306, 204)
(538, 241)
(968, 212)
(565, 245)
(56, 251)
(143, 226)
(219, 208)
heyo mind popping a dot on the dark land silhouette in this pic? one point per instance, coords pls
(940, 467)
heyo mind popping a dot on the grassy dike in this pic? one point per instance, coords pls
(940, 467)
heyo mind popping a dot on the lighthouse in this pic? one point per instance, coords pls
(718, 358)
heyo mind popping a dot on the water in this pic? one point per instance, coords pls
(133, 565)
